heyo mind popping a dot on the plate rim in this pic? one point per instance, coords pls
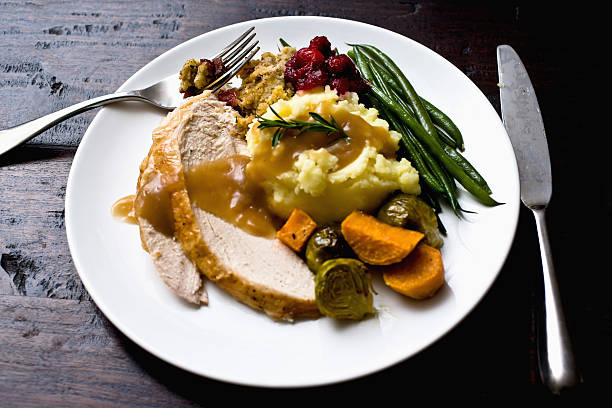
(141, 342)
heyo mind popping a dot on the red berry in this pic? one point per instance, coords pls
(312, 79)
(291, 69)
(317, 65)
(322, 44)
(358, 85)
(229, 96)
(219, 66)
(340, 64)
(355, 74)
(306, 69)
(309, 56)
(341, 85)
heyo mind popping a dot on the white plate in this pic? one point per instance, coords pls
(228, 341)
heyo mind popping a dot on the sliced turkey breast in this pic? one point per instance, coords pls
(258, 271)
(177, 271)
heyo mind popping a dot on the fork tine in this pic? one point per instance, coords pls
(222, 80)
(230, 64)
(238, 61)
(239, 48)
(229, 47)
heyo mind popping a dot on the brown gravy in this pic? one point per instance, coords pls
(222, 188)
(154, 201)
(275, 160)
(230, 188)
(123, 209)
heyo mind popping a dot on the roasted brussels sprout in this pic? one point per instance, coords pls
(326, 243)
(342, 289)
(409, 211)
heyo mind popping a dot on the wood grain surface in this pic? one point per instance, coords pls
(57, 349)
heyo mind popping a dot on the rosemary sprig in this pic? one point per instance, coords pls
(319, 125)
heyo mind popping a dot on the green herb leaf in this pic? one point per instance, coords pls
(319, 125)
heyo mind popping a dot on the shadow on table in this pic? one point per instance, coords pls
(32, 152)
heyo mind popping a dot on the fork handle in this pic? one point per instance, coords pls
(12, 137)
(556, 361)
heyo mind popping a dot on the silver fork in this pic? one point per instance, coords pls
(164, 94)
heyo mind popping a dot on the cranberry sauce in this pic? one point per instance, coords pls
(318, 65)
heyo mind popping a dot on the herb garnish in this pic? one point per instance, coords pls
(282, 125)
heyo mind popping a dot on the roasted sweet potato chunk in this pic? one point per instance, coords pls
(376, 242)
(296, 230)
(419, 276)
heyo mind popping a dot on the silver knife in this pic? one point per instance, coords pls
(523, 121)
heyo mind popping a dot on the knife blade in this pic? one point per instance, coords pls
(523, 122)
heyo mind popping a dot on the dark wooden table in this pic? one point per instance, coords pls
(57, 349)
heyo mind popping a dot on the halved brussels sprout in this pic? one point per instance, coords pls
(342, 289)
(409, 211)
(326, 243)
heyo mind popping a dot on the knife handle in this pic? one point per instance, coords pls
(555, 357)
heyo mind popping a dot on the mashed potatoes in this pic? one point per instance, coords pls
(314, 179)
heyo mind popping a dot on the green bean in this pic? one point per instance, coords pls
(362, 65)
(449, 146)
(395, 92)
(443, 136)
(441, 121)
(440, 133)
(382, 85)
(421, 165)
(432, 185)
(413, 98)
(417, 160)
(439, 142)
(388, 77)
(450, 189)
(462, 161)
(379, 82)
(467, 167)
(439, 118)
(436, 148)
(447, 184)
(433, 202)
